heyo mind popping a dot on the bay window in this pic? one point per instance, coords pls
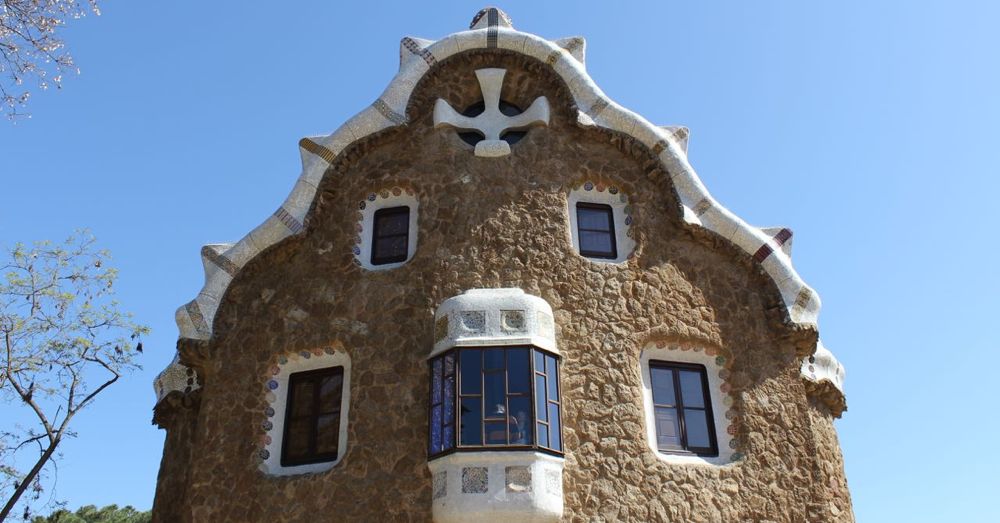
(488, 398)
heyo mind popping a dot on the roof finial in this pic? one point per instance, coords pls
(491, 17)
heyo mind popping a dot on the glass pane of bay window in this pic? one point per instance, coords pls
(493, 359)
(436, 382)
(555, 442)
(496, 432)
(435, 429)
(471, 420)
(553, 379)
(518, 371)
(494, 397)
(520, 420)
(449, 400)
(469, 367)
(448, 437)
(540, 400)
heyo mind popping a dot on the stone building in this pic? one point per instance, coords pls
(497, 295)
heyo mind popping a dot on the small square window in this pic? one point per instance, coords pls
(312, 417)
(682, 411)
(391, 235)
(596, 230)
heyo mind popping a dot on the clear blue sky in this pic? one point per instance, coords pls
(869, 128)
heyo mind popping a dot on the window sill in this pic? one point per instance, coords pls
(496, 449)
(687, 458)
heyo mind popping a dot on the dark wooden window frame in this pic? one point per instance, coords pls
(611, 223)
(376, 258)
(312, 456)
(708, 452)
(456, 445)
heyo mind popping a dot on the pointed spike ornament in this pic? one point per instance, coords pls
(491, 16)
(491, 123)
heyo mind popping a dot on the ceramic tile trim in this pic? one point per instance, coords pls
(497, 486)
(274, 387)
(821, 371)
(493, 317)
(601, 192)
(495, 30)
(394, 196)
(175, 377)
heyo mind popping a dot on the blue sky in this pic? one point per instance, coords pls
(869, 128)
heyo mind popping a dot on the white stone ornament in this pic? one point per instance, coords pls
(491, 122)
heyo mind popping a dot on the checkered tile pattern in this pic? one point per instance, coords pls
(197, 318)
(293, 225)
(492, 20)
(388, 113)
(317, 149)
(219, 260)
(766, 249)
(415, 48)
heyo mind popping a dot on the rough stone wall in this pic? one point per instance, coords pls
(503, 223)
(178, 414)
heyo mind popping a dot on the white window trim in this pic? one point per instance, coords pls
(696, 355)
(600, 193)
(394, 197)
(278, 401)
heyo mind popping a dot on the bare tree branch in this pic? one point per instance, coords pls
(65, 342)
(31, 50)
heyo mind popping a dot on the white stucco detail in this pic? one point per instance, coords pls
(519, 486)
(823, 366)
(595, 192)
(176, 377)
(384, 199)
(491, 123)
(494, 317)
(688, 353)
(278, 396)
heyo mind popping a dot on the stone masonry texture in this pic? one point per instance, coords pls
(487, 223)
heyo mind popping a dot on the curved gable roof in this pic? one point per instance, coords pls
(492, 29)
